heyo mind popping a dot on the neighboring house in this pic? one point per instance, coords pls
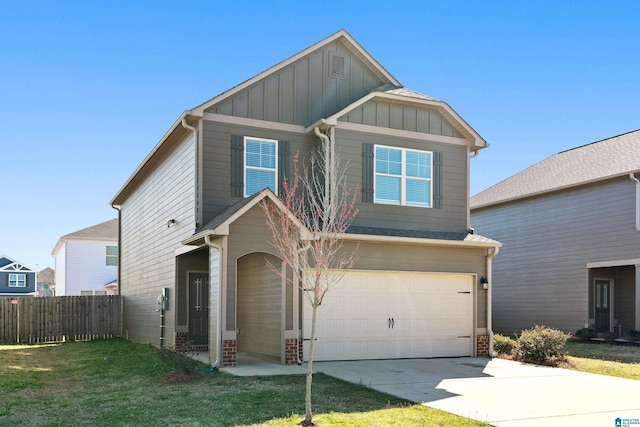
(87, 260)
(46, 282)
(570, 227)
(191, 222)
(16, 278)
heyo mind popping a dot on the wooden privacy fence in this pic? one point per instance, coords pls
(52, 319)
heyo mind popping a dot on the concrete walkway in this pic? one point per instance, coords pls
(500, 392)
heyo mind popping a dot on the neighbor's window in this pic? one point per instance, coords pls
(112, 255)
(17, 280)
(260, 165)
(403, 176)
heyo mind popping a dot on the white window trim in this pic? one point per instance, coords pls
(403, 178)
(108, 256)
(245, 167)
(17, 280)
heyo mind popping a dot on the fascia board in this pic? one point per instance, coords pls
(354, 45)
(420, 241)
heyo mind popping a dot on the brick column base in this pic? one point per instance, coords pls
(300, 349)
(229, 351)
(482, 342)
(291, 351)
(181, 340)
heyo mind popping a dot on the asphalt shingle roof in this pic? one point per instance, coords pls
(105, 230)
(597, 161)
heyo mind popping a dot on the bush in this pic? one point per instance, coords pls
(503, 345)
(585, 334)
(541, 344)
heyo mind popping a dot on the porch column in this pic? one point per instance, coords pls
(637, 299)
(214, 303)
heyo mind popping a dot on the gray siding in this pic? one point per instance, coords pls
(217, 160)
(305, 91)
(375, 256)
(148, 261)
(396, 116)
(540, 275)
(453, 214)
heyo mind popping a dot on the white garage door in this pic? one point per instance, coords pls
(373, 315)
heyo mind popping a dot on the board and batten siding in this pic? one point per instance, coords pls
(452, 216)
(305, 91)
(148, 245)
(217, 160)
(540, 275)
(396, 116)
(86, 266)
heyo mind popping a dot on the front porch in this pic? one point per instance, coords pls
(613, 304)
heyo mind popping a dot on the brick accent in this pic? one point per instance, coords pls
(482, 342)
(229, 351)
(291, 351)
(616, 330)
(300, 349)
(181, 339)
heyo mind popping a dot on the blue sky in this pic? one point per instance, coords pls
(87, 88)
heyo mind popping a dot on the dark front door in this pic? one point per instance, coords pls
(199, 308)
(602, 297)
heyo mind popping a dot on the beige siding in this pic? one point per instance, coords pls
(148, 246)
(540, 275)
(396, 116)
(217, 159)
(259, 306)
(303, 92)
(452, 216)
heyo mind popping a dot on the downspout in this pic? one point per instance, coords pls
(475, 154)
(490, 256)
(207, 240)
(633, 178)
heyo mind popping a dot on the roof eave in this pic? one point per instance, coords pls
(422, 241)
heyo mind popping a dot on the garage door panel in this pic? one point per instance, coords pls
(394, 315)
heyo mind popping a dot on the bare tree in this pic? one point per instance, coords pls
(308, 233)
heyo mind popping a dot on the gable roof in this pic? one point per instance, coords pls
(342, 35)
(597, 161)
(107, 230)
(8, 264)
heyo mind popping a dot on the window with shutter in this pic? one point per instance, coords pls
(403, 176)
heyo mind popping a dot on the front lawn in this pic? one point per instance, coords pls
(119, 383)
(606, 359)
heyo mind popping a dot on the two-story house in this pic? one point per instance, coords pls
(16, 278)
(570, 226)
(87, 260)
(192, 228)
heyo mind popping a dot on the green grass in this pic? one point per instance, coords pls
(605, 359)
(119, 383)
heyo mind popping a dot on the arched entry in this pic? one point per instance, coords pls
(259, 306)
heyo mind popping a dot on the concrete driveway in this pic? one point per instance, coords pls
(500, 392)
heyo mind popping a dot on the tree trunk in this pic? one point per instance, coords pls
(308, 421)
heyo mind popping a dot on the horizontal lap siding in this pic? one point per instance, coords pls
(452, 216)
(217, 160)
(148, 245)
(540, 275)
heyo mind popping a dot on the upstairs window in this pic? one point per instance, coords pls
(260, 165)
(17, 280)
(112, 255)
(403, 176)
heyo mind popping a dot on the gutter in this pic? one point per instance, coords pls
(633, 178)
(207, 240)
(491, 254)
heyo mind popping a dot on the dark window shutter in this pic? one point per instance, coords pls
(284, 165)
(437, 180)
(367, 172)
(237, 166)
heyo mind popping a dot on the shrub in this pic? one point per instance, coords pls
(541, 344)
(585, 334)
(503, 345)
